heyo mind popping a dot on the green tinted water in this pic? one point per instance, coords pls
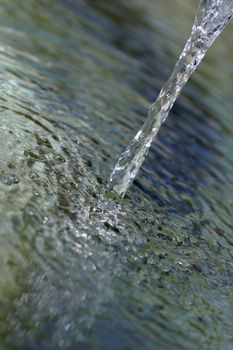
(81, 269)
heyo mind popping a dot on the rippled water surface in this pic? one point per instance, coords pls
(80, 268)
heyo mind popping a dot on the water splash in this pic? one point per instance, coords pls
(211, 18)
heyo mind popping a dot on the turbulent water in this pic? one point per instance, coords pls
(80, 268)
(212, 16)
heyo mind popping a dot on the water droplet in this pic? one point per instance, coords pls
(67, 327)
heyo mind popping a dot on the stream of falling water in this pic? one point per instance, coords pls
(211, 18)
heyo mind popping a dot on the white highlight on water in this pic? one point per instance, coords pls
(211, 18)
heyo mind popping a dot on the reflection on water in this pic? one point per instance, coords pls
(81, 269)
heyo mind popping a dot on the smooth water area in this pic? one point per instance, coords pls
(211, 18)
(81, 268)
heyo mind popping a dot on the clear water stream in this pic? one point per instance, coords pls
(211, 18)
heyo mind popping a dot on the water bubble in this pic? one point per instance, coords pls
(166, 269)
(10, 179)
(34, 176)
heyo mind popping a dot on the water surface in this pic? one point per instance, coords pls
(80, 268)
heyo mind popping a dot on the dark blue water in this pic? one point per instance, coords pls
(80, 268)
